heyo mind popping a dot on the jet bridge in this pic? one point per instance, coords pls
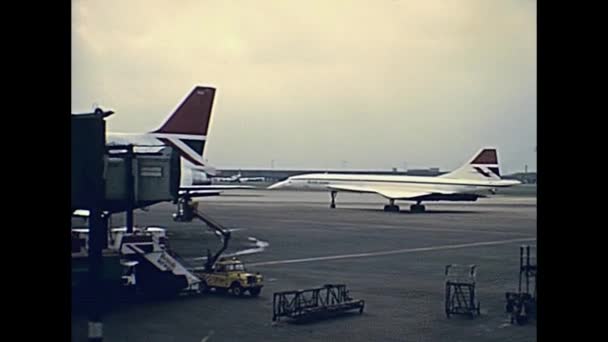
(140, 175)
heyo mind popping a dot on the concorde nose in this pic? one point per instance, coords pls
(279, 185)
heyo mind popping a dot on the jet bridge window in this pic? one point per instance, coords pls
(151, 171)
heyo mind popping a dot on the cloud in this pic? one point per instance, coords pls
(314, 83)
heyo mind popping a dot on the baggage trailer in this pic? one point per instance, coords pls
(522, 304)
(460, 294)
(314, 303)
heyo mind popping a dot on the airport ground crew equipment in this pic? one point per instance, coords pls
(186, 211)
(460, 295)
(314, 303)
(522, 304)
(225, 274)
(229, 274)
(153, 269)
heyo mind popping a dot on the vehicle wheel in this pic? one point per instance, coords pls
(447, 301)
(255, 291)
(417, 208)
(391, 208)
(236, 289)
(521, 319)
(203, 287)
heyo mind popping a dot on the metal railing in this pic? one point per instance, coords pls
(314, 302)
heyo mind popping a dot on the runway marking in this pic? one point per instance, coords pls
(261, 199)
(396, 251)
(345, 226)
(206, 338)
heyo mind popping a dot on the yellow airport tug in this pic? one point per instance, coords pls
(229, 274)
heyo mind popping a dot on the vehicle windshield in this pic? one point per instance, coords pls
(235, 267)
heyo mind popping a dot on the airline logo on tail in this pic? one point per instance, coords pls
(186, 129)
(484, 165)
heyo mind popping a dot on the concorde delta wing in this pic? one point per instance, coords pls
(388, 193)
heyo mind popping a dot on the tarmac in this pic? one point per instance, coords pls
(393, 261)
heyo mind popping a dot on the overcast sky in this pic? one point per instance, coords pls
(319, 84)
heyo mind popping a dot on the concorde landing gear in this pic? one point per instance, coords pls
(333, 199)
(391, 207)
(417, 208)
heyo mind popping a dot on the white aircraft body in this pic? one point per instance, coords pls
(252, 179)
(477, 178)
(238, 178)
(231, 179)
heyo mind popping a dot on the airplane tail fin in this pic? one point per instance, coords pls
(186, 128)
(483, 166)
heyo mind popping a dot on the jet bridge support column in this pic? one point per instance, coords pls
(97, 238)
(88, 192)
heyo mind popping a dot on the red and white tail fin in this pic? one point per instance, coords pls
(186, 128)
(483, 166)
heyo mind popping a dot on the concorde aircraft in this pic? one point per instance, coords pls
(477, 178)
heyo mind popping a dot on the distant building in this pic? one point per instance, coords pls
(277, 174)
(430, 172)
(524, 177)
